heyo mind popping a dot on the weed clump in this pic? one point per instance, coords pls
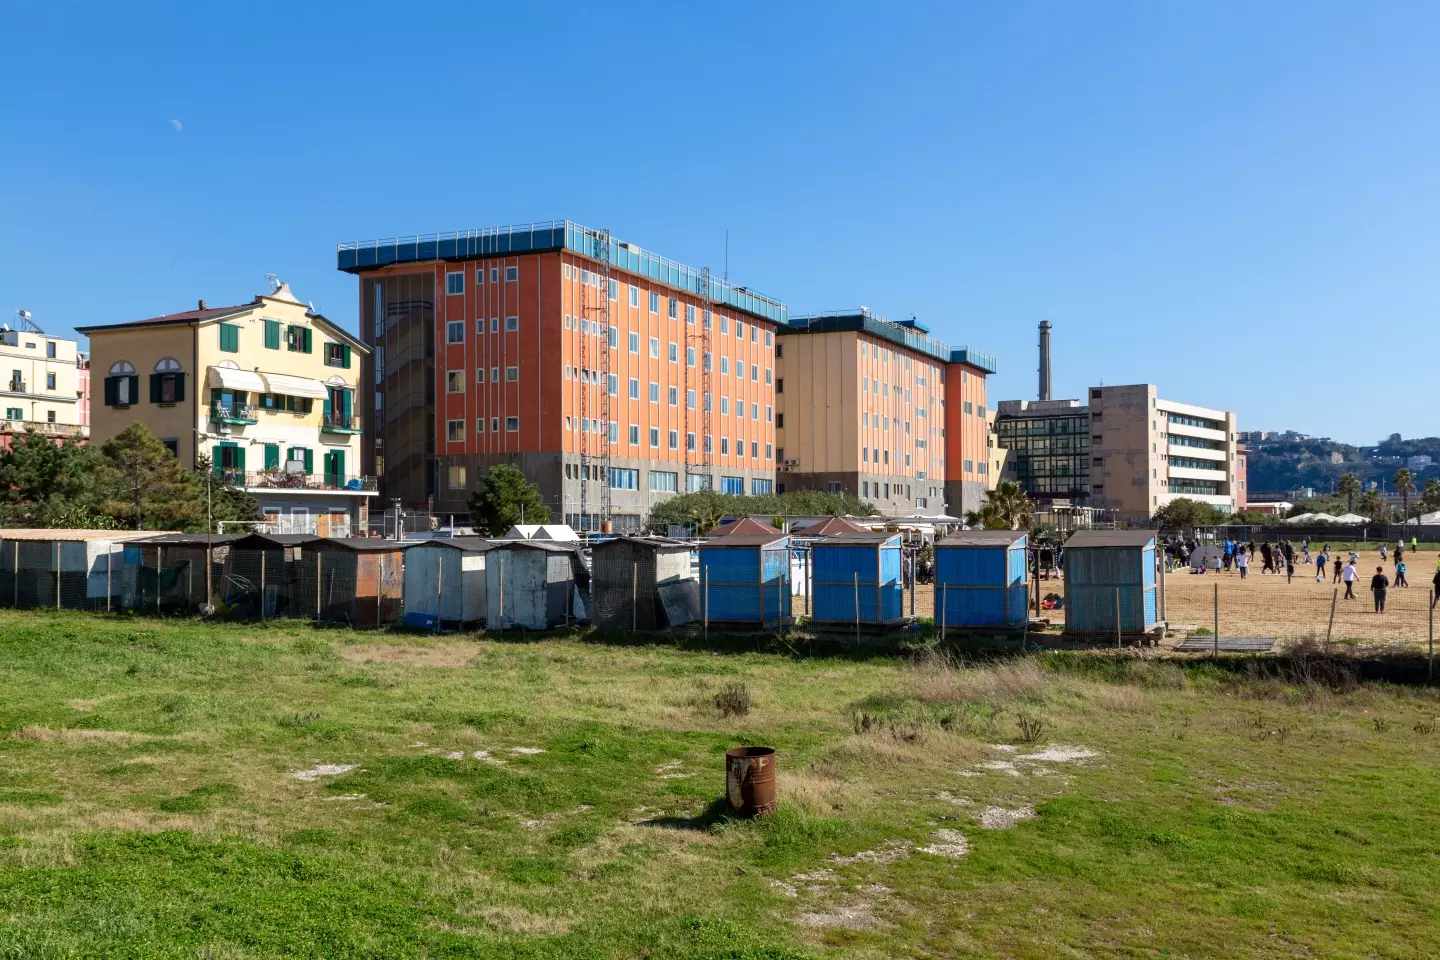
(1032, 728)
(733, 700)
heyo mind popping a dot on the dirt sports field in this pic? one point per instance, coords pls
(1265, 605)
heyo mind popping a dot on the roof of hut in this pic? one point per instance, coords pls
(744, 526)
(1110, 538)
(274, 541)
(853, 539)
(746, 540)
(830, 527)
(186, 540)
(468, 544)
(32, 533)
(983, 538)
(367, 544)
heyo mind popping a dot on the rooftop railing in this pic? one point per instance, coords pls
(552, 235)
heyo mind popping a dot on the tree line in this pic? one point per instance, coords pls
(129, 482)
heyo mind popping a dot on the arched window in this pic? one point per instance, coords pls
(167, 383)
(122, 387)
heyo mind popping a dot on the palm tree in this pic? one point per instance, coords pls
(1372, 505)
(1005, 508)
(1430, 496)
(1404, 485)
(1348, 487)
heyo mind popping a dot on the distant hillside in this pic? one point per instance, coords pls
(1308, 463)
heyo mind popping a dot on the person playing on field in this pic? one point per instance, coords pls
(1414, 544)
(1400, 580)
(1379, 584)
(1305, 549)
(1382, 553)
(1336, 566)
(1289, 566)
(1349, 575)
(1242, 561)
(1320, 568)
(1269, 560)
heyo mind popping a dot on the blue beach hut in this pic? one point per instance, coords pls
(856, 576)
(1110, 572)
(982, 579)
(745, 580)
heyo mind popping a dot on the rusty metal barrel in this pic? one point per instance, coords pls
(750, 780)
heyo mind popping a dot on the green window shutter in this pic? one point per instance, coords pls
(307, 339)
(229, 338)
(112, 392)
(339, 466)
(309, 462)
(345, 353)
(154, 388)
(135, 389)
(272, 456)
(272, 334)
(240, 459)
(179, 388)
(217, 455)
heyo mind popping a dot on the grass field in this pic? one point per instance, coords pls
(176, 789)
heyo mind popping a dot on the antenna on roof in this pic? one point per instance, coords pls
(26, 323)
(274, 280)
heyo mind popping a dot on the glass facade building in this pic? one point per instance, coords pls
(1051, 450)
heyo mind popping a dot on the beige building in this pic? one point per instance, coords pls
(41, 384)
(266, 390)
(860, 409)
(1146, 451)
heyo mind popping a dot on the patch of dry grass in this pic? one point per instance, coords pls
(940, 679)
(446, 654)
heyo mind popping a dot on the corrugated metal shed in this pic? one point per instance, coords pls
(354, 580)
(1110, 572)
(535, 584)
(445, 581)
(173, 565)
(856, 577)
(982, 579)
(745, 579)
(628, 573)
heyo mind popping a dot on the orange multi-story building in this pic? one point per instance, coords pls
(882, 411)
(611, 376)
(967, 428)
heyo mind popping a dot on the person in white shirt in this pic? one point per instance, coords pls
(1348, 575)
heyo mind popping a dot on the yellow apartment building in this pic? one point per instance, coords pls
(42, 386)
(267, 390)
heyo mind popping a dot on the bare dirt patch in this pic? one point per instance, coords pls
(947, 843)
(1003, 818)
(323, 770)
(448, 654)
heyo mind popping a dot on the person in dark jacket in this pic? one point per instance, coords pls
(1379, 586)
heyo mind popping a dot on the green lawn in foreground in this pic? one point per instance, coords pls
(148, 806)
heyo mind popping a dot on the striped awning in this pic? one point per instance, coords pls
(233, 378)
(289, 386)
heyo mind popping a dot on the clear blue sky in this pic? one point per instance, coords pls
(1236, 201)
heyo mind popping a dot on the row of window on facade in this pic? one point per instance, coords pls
(296, 338)
(18, 413)
(455, 286)
(18, 384)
